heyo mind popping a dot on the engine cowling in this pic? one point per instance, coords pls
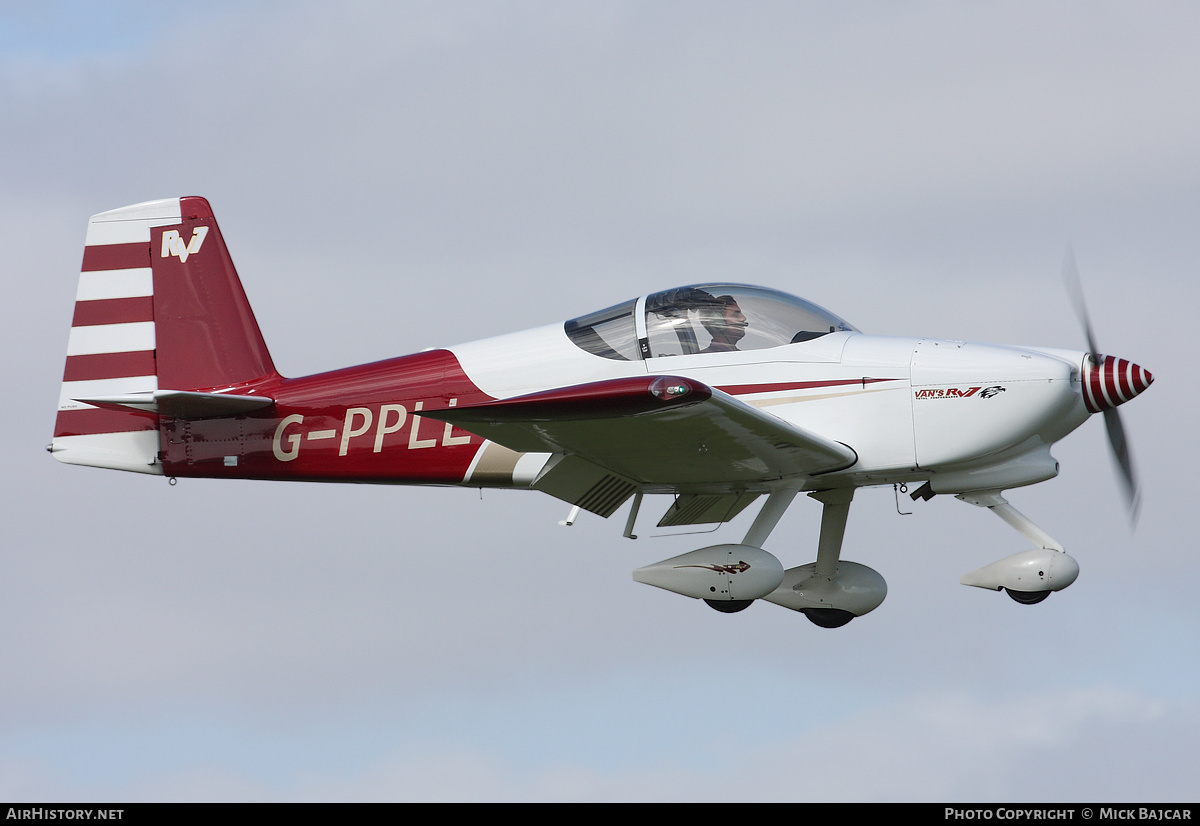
(716, 573)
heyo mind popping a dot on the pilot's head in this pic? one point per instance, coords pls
(724, 321)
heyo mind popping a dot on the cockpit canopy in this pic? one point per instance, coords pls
(704, 318)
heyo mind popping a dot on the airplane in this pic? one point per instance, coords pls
(716, 394)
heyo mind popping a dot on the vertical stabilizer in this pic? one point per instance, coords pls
(207, 336)
(159, 307)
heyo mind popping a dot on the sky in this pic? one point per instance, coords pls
(394, 176)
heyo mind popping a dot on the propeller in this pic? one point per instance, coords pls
(1108, 382)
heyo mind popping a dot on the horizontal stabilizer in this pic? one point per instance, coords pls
(184, 404)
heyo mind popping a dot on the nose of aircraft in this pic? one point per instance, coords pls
(1111, 381)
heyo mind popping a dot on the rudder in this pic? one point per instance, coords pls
(207, 337)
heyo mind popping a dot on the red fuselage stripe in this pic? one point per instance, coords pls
(777, 387)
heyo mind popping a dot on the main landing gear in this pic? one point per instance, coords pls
(829, 592)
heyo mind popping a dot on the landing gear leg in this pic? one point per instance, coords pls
(776, 505)
(833, 528)
(834, 514)
(998, 505)
(831, 591)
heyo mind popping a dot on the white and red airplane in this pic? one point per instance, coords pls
(717, 394)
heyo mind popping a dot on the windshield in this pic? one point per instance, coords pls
(609, 333)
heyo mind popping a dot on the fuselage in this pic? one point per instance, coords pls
(964, 415)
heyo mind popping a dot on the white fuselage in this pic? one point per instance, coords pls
(964, 416)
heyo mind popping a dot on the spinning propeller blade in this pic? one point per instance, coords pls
(1108, 382)
(1070, 274)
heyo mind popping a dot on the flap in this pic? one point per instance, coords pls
(656, 430)
(705, 508)
(585, 484)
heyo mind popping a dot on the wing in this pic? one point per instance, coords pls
(656, 432)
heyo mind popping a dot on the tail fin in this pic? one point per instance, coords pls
(159, 308)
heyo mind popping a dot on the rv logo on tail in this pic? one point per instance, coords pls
(172, 244)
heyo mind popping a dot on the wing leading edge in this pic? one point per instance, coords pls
(661, 432)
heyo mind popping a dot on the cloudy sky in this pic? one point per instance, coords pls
(398, 175)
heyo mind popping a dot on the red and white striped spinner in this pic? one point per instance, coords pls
(1111, 381)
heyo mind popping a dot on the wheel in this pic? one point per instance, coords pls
(729, 606)
(1027, 597)
(828, 617)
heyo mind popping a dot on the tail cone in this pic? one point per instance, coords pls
(1110, 381)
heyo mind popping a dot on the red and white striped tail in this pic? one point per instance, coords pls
(159, 307)
(1112, 381)
(111, 347)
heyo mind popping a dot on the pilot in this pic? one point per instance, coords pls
(726, 324)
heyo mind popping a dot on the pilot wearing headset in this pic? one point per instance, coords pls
(725, 322)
